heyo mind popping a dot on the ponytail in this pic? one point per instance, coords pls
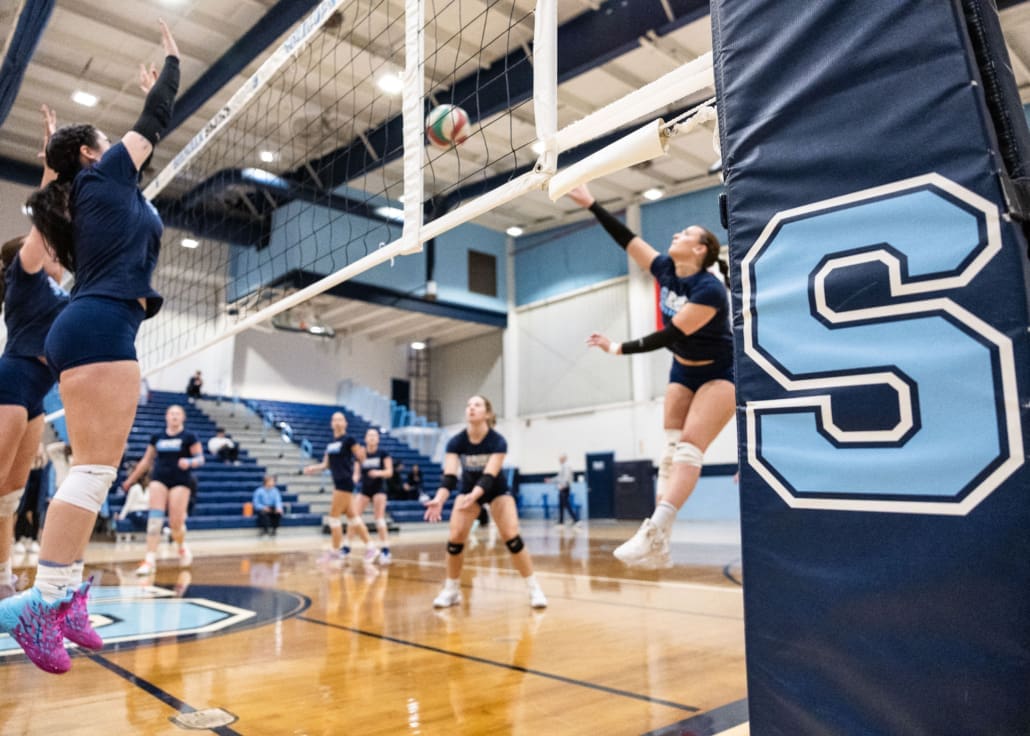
(714, 248)
(52, 217)
(50, 207)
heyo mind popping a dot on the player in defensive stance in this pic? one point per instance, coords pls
(339, 457)
(478, 451)
(374, 470)
(700, 395)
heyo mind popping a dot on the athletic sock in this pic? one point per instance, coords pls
(53, 580)
(663, 516)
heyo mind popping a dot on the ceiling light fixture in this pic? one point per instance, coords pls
(190, 243)
(85, 98)
(267, 156)
(390, 83)
(514, 231)
(418, 345)
(652, 194)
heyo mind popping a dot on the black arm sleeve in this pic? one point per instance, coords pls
(157, 110)
(654, 341)
(616, 229)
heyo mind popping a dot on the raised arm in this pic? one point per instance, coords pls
(638, 249)
(157, 110)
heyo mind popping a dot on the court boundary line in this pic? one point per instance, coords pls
(600, 578)
(151, 689)
(714, 722)
(599, 602)
(502, 665)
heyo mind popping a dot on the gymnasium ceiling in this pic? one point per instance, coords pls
(96, 45)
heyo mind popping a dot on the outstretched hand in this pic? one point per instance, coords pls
(171, 49)
(581, 195)
(434, 510)
(49, 127)
(147, 77)
(597, 340)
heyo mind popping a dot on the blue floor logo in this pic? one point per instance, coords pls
(133, 616)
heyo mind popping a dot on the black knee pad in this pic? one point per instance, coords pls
(453, 548)
(515, 544)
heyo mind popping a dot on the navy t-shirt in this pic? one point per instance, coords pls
(117, 232)
(340, 453)
(373, 461)
(31, 303)
(474, 458)
(713, 341)
(170, 448)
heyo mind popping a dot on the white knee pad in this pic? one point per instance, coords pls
(86, 486)
(334, 522)
(688, 454)
(9, 503)
(155, 522)
(380, 523)
(353, 520)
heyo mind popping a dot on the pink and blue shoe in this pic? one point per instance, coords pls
(37, 626)
(76, 626)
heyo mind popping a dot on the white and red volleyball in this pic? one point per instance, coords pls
(447, 125)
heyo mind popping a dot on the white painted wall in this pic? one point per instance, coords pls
(296, 367)
(462, 369)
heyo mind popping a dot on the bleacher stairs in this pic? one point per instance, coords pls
(222, 489)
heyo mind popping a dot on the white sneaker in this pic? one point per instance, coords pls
(34, 547)
(185, 556)
(648, 548)
(19, 548)
(537, 599)
(448, 597)
(578, 525)
(371, 553)
(146, 568)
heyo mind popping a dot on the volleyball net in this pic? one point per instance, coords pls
(318, 168)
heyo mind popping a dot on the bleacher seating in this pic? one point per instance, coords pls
(222, 489)
(311, 422)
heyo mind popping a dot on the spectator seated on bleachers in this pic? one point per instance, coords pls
(268, 506)
(223, 447)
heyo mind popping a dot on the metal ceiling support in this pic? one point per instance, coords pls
(586, 41)
(397, 299)
(277, 21)
(34, 16)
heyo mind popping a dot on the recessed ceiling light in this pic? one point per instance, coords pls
(267, 156)
(514, 231)
(390, 83)
(190, 243)
(418, 345)
(85, 98)
(653, 194)
(390, 213)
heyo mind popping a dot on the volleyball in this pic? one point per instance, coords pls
(447, 125)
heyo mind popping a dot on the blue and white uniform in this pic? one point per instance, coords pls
(340, 455)
(32, 301)
(117, 236)
(474, 457)
(713, 341)
(373, 461)
(170, 449)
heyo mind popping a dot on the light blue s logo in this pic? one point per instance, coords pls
(956, 433)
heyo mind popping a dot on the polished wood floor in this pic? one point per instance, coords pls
(358, 649)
